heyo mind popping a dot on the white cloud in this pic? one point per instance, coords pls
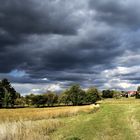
(37, 88)
(44, 79)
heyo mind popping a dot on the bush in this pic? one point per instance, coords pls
(92, 95)
(75, 95)
(107, 94)
(137, 95)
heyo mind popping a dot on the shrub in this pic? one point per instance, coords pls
(107, 94)
(137, 95)
(92, 95)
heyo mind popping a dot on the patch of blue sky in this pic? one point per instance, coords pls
(18, 73)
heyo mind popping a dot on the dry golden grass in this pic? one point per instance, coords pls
(28, 130)
(8, 115)
(35, 123)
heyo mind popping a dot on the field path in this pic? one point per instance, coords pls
(133, 122)
(115, 120)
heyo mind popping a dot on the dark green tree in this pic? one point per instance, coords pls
(2, 95)
(107, 94)
(76, 95)
(52, 99)
(28, 99)
(8, 94)
(20, 101)
(92, 95)
(138, 93)
(64, 97)
(38, 100)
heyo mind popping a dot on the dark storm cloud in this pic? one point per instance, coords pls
(20, 18)
(86, 42)
(32, 16)
(68, 53)
(122, 12)
(72, 56)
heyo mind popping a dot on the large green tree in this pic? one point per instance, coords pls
(107, 93)
(76, 95)
(138, 93)
(8, 95)
(64, 97)
(52, 98)
(92, 95)
(38, 100)
(2, 95)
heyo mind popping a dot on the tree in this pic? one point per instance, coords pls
(20, 101)
(52, 99)
(76, 95)
(2, 94)
(107, 94)
(64, 97)
(38, 100)
(28, 99)
(41, 100)
(116, 94)
(55, 99)
(8, 94)
(92, 95)
(138, 93)
(138, 89)
(13, 96)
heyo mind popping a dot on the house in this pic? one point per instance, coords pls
(131, 93)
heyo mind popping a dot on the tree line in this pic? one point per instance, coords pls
(74, 95)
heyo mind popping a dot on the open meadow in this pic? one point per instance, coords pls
(36, 123)
(115, 119)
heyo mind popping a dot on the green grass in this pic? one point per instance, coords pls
(36, 123)
(117, 119)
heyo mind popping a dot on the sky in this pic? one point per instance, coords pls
(52, 44)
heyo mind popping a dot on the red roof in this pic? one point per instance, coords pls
(131, 92)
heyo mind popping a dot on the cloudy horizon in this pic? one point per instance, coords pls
(51, 44)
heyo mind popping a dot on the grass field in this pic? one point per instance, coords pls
(116, 119)
(35, 123)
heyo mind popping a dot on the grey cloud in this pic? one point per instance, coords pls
(32, 16)
(69, 42)
(124, 13)
(19, 19)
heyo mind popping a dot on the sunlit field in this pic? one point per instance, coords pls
(130, 100)
(111, 119)
(35, 123)
(117, 119)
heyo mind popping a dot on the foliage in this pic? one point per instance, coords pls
(52, 99)
(138, 93)
(38, 100)
(92, 95)
(42, 99)
(107, 94)
(8, 95)
(116, 94)
(76, 95)
(64, 98)
(20, 102)
(138, 89)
